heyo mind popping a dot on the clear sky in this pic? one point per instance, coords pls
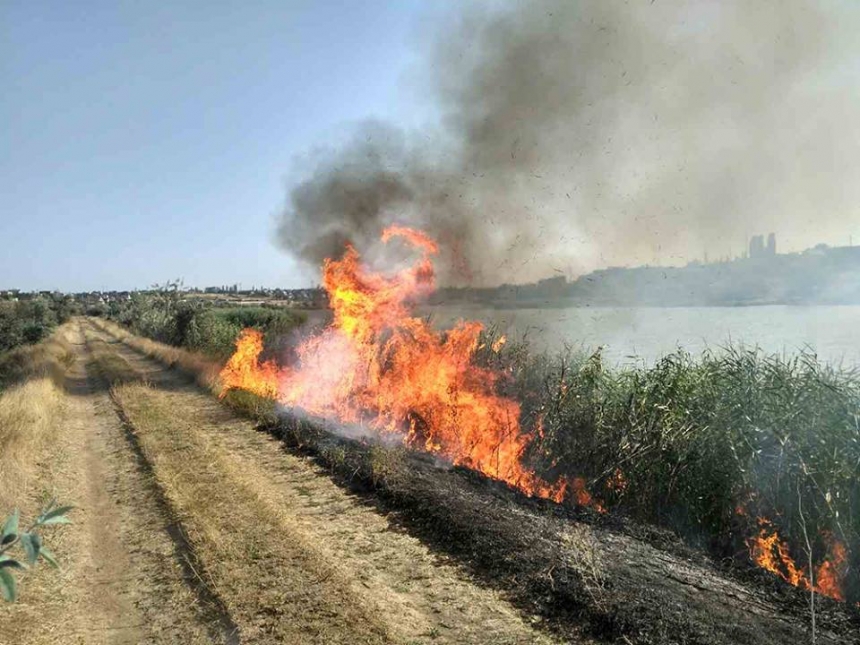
(146, 141)
(143, 141)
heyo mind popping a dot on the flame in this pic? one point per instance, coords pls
(770, 552)
(377, 364)
(828, 581)
(244, 371)
(583, 497)
(617, 482)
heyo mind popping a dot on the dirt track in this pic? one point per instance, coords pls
(122, 580)
(192, 527)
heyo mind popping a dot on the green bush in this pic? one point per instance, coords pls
(31, 320)
(167, 316)
(208, 332)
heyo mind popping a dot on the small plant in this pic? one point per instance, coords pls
(30, 542)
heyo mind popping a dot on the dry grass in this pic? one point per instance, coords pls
(275, 588)
(583, 550)
(113, 367)
(119, 580)
(292, 558)
(31, 410)
(203, 369)
(29, 419)
(50, 358)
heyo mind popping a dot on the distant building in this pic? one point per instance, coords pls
(756, 246)
(759, 250)
(771, 244)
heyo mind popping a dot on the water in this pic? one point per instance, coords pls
(631, 334)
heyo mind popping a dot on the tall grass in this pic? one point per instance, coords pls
(50, 358)
(31, 408)
(703, 444)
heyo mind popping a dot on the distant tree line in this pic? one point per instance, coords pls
(165, 314)
(29, 321)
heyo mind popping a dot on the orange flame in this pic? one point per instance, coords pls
(379, 365)
(244, 371)
(770, 552)
(583, 497)
(617, 482)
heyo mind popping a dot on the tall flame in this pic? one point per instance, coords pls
(770, 552)
(379, 365)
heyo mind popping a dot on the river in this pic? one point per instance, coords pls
(630, 334)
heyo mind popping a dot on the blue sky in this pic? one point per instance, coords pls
(145, 141)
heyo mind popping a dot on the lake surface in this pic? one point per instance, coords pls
(631, 334)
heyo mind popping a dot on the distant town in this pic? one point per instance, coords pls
(818, 275)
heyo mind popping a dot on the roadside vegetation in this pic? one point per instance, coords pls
(165, 315)
(303, 562)
(720, 447)
(28, 321)
(32, 406)
(602, 577)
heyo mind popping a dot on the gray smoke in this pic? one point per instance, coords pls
(581, 134)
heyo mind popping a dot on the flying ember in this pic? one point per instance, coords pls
(380, 365)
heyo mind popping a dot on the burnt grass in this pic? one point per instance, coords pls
(602, 576)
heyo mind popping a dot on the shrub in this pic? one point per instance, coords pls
(164, 315)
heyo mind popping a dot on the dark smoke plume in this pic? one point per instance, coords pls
(581, 134)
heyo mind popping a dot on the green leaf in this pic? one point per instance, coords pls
(31, 543)
(10, 563)
(10, 528)
(51, 514)
(57, 519)
(49, 557)
(7, 586)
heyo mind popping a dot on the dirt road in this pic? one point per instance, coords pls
(193, 527)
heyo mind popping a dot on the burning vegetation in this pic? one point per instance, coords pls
(770, 552)
(381, 366)
(678, 444)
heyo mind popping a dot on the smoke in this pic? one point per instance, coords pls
(581, 134)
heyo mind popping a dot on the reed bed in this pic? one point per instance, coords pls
(708, 445)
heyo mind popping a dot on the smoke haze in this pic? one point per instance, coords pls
(581, 134)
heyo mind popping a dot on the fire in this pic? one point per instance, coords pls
(244, 370)
(499, 343)
(617, 482)
(770, 552)
(828, 581)
(583, 497)
(377, 364)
